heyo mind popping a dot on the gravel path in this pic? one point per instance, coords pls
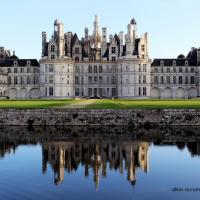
(82, 104)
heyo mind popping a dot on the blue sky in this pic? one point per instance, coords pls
(173, 25)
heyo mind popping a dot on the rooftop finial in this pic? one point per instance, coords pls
(96, 18)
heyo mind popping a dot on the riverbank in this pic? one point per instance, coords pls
(100, 117)
(102, 104)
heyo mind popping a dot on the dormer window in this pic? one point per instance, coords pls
(174, 63)
(113, 50)
(186, 63)
(15, 63)
(52, 48)
(28, 63)
(161, 63)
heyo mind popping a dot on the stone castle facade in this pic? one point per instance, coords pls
(98, 65)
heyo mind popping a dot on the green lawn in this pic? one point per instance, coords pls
(23, 104)
(100, 104)
(145, 104)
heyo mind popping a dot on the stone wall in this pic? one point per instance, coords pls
(67, 117)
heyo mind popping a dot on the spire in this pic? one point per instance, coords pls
(96, 25)
(96, 33)
(96, 18)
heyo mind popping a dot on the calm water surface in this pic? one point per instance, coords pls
(35, 166)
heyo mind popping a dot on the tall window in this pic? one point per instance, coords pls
(90, 80)
(180, 79)
(113, 50)
(89, 91)
(100, 69)
(168, 79)
(28, 80)
(174, 79)
(144, 67)
(77, 92)
(51, 79)
(95, 69)
(52, 48)
(144, 91)
(52, 57)
(77, 69)
(162, 80)
(89, 69)
(50, 68)
(15, 80)
(186, 70)
(95, 79)
(168, 70)
(139, 91)
(22, 70)
(51, 92)
(144, 79)
(192, 79)
(9, 80)
(101, 79)
(155, 79)
(186, 80)
(35, 80)
(76, 80)
(15, 70)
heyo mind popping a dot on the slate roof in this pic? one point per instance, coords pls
(180, 61)
(74, 39)
(106, 54)
(21, 62)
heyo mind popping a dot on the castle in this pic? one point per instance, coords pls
(98, 65)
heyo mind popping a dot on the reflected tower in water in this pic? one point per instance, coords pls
(97, 156)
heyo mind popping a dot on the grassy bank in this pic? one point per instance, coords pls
(146, 104)
(33, 104)
(101, 104)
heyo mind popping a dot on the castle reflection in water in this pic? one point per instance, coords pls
(97, 150)
(122, 156)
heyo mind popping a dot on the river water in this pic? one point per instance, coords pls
(99, 163)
